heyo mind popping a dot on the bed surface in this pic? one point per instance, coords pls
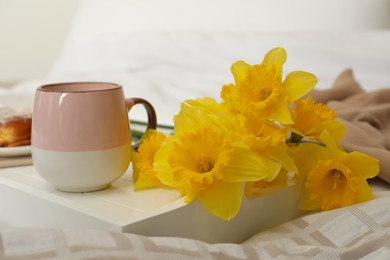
(168, 66)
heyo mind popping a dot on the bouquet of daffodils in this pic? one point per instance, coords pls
(262, 136)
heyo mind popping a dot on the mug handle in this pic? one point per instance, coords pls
(152, 117)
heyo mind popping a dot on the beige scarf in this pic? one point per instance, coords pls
(366, 115)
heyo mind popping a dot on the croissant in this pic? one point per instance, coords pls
(15, 127)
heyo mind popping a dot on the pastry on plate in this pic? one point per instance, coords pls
(15, 126)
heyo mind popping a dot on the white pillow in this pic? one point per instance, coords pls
(107, 16)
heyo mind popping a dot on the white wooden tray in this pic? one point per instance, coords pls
(29, 201)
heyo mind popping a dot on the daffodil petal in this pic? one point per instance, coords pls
(275, 57)
(188, 119)
(229, 94)
(208, 104)
(333, 150)
(161, 163)
(365, 192)
(297, 84)
(335, 128)
(145, 182)
(306, 203)
(223, 199)
(362, 164)
(282, 113)
(134, 164)
(306, 156)
(246, 165)
(240, 70)
(283, 156)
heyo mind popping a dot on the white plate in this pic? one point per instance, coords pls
(15, 151)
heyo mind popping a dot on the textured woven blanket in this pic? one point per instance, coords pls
(361, 231)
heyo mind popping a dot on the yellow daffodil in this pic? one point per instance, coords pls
(144, 175)
(333, 177)
(252, 141)
(260, 89)
(311, 118)
(204, 164)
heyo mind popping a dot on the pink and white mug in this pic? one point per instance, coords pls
(81, 139)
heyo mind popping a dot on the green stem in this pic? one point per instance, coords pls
(137, 122)
(136, 134)
(298, 139)
(311, 142)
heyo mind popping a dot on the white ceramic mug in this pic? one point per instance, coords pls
(81, 139)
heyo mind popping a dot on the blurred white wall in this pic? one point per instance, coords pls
(31, 36)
